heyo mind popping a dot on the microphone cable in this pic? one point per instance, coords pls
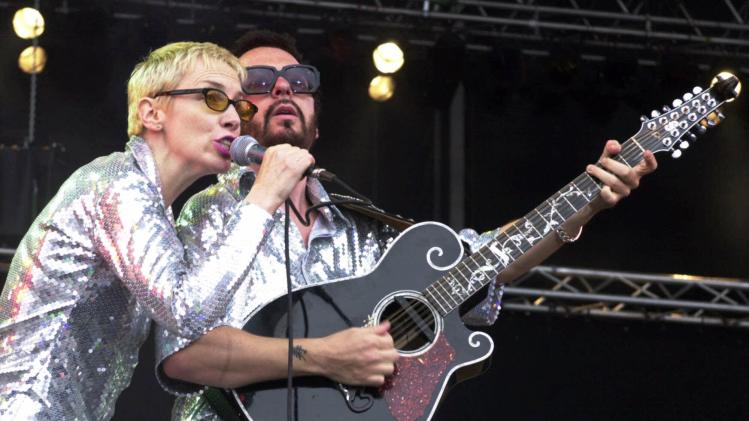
(359, 199)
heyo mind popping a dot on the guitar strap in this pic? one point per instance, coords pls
(371, 211)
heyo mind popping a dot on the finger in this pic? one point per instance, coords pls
(375, 380)
(385, 342)
(609, 180)
(392, 355)
(382, 328)
(385, 369)
(611, 148)
(615, 166)
(648, 164)
(608, 196)
(627, 175)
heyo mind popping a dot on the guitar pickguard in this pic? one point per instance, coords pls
(409, 390)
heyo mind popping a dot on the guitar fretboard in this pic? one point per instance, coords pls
(481, 267)
(661, 133)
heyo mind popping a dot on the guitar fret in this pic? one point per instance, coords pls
(556, 207)
(631, 153)
(488, 263)
(449, 289)
(527, 226)
(579, 198)
(435, 300)
(521, 233)
(447, 293)
(508, 246)
(458, 286)
(469, 287)
(518, 239)
(594, 180)
(638, 144)
(621, 159)
(547, 225)
(570, 203)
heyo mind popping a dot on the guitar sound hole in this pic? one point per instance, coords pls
(412, 324)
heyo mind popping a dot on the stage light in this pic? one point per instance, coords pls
(32, 59)
(381, 88)
(727, 75)
(388, 57)
(28, 23)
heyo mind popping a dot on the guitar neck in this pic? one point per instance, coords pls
(661, 133)
(483, 266)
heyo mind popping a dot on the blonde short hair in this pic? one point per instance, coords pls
(164, 68)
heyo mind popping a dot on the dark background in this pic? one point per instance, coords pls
(532, 123)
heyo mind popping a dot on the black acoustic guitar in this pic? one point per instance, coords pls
(422, 279)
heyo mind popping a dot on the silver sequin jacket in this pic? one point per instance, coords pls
(341, 244)
(98, 263)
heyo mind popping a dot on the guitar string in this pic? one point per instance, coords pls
(404, 332)
(633, 146)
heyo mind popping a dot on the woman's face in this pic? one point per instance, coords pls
(197, 136)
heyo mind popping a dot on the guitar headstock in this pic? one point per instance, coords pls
(673, 128)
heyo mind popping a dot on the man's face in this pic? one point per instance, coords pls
(283, 116)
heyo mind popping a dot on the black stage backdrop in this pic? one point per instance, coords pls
(532, 123)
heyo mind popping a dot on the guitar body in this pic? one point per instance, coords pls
(432, 347)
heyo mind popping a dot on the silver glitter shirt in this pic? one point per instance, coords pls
(97, 264)
(341, 244)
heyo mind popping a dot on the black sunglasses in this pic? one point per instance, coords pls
(302, 78)
(217, 100)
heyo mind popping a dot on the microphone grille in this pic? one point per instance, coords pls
(239, 149)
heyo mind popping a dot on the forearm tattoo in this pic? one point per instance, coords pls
(299, 352)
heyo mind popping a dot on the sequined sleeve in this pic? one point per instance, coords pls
(486, 312)
(143, 249)
(201, 223)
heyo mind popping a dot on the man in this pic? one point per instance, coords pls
(336, 244)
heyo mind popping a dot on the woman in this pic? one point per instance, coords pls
(103, 257)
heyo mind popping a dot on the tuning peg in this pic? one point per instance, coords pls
(711, 122)
(721, 116)
(654, 113)
(696, 90)
(644, 118)
(677, 102)
(684, 144)
(676, 154)
(665, 109)
(701, 129)
(687, 96)
(691, 136)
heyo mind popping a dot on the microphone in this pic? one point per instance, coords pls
(246, 150)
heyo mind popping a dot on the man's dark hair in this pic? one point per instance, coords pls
(265, 38)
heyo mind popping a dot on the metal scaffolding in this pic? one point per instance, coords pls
(708, 29)
(628, 295)
(713, 33)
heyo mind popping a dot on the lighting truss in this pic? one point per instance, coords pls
(717, 28)
(628, 295)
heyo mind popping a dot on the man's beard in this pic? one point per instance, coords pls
(303, 138)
